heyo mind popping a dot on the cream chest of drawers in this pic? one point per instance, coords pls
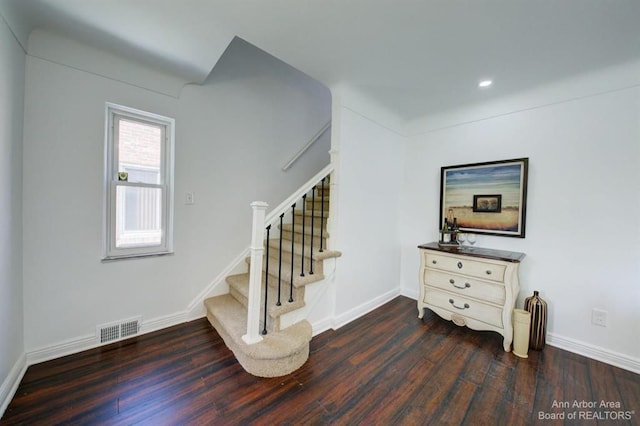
(473, 287)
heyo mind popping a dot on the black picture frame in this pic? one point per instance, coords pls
(503, 184)
(487, 203)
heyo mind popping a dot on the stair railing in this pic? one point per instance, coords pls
(262, 224)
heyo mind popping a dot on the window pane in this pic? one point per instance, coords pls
(139, 150)
(138, 216)
(143, 176)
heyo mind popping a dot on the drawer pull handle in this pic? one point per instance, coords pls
(453, 283)
(434, 261)
(488, 272)
(459, 265)
(466, 305)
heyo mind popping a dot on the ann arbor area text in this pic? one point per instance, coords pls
(586, 404)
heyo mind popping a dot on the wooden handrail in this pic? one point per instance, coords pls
(273, 215)
(307, 146)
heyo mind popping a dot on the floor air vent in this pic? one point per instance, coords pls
(118, 330)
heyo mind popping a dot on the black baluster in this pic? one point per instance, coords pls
(280, 263)
(313, 219)
(266, 283)
(293, 222)
(322, 214)
(304, 203)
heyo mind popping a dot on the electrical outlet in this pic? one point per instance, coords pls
(599, 317)
(190, 198)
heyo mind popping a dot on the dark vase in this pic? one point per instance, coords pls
(538, 309)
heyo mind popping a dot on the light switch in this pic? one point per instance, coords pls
(190, 198)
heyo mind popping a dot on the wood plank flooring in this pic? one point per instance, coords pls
(386, 368)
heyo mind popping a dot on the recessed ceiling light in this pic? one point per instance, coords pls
(485, 83)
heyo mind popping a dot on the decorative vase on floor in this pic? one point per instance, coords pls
(538, 309)
(521, 330)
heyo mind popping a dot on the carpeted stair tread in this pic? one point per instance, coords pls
(279, 353)
(318, 265)
(285, 276)
(297, 228)
(240, 284)
(309, 219)
(274, 245)
(317, 214)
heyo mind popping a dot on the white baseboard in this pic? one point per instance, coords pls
(322, 326)
(80, 344)
(163, 322)
(594, 352)
(11, 383)
(61, 349)
(411, 294)
(354, 313)
(334, 323)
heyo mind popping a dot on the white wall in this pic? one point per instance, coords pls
(583, 235)
(12, 64)
(233, 135)
(369, 175)
(62, 50)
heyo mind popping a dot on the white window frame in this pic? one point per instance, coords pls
(111, 182)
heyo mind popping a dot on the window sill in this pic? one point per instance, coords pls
(108, 259)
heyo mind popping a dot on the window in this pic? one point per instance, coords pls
(139, 183)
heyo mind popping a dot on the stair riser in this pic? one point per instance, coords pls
(321, 189)
(274, 248)
(309, 205)
(317, 222)
(286, 266)
(298, 280)
(285, 277)
(317, 260)
(274, 312)
(285, 270)
(318, 256)
(286, 239)
(298, 292)
(320, 192)
(297, 237)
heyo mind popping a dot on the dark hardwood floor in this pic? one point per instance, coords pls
(385, 368)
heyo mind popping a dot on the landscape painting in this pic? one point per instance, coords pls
(486, 198)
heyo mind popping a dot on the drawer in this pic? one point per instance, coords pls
(465, 286)
(464, 306)
(464, 265)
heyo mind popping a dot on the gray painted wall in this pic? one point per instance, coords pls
(12, 65)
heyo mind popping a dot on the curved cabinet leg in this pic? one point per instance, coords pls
(506, 344)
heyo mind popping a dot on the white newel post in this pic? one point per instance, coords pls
(255, 273)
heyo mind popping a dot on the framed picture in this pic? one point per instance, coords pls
(486, 198)
(487, 203)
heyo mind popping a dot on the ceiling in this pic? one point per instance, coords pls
(414, 57)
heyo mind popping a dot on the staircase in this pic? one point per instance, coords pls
(285, 347)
